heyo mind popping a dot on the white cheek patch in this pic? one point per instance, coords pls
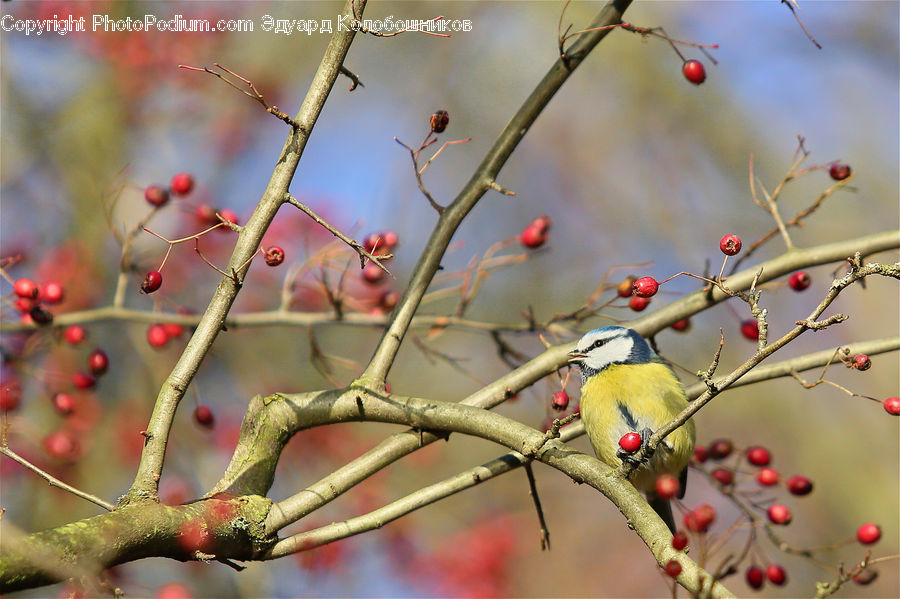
(615, 350)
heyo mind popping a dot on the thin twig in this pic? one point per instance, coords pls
(532, 490)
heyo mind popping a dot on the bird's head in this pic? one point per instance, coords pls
(609, 345)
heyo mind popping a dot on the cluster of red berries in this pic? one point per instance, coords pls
(181, 185)
(535, 234)
(639, 291)
(31, 299)
(382, 246)
(159, 334)
(208, 216)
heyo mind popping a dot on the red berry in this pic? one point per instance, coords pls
(26, 288)
(542, 223)
(626, 287)
(173, 590)
(157, 336)
(64, 403)
(799, 280)
(755, 577)
(701, 454)
(799, 485)
(532, 237)
(860, 361)
(274, 255)
(390, 239)
(560, 401)
(206, 214)
(865, 577)
(24, 305)
(730, 244)
(151, 282)
(720, 449)
(375, 243)
(750, 329)
(372, 274)
(868, 533)
(83, 380)
(694, 71)
(723, 476)
(673, 568)
(630, 442)
(181, 184)
(173, 330)
(700, 518)
(667, 486)
(767, 477)
(439, 121)
(204, 416)
(388, 300)
(779, 514)
(228, 215)
(646, 287)
(98, 362)
(679, 540)
(638, 303)
(10, 394)
(62, 444)
(759, 456)
(839, 172)
(40, 316)
(776, 574)
(156, 195)
(682, 325)
(52, 292)
(75, 334)
(892, 405)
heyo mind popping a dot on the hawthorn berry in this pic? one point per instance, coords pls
(701, 454)
(646, 287)
(560, 401)
(779, 514)
(759, 456)
(532, 237)
(24, 305)
(723, 476)
(679, 540)
(228, 215)
(26, 288)
(750, 329)
(776, 574)
(839, 172)
(10, 394)
(755, 577)
(799, 280)
(152, 281)
(83, 380)
(682, 325)
(700, 518)
(626, 287)
(75, 334)
(630, 442)
(860, 362)
(372, 274)
(388, 300)
(673, 568)
(206, 214)
(667, 486)
(173, 590)
(730, 244)
(173, 330)
(98, 362)
(892, 405)
(868, 533)
(51, 292)
(865, 577)
(156, 195)
(181, 184)
(720, 449)
(40, 316)
(203, 415)
(439, 121)
(62, 444)
(767, 477)
(694, 71)
(157, 336)
(799, 485)
(637, 303)
(274, 255)
(63, 403)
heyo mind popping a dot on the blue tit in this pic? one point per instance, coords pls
(625, 387)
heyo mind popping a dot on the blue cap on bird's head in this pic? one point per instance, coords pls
(609, 345)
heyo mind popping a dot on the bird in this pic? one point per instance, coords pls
(626, 387)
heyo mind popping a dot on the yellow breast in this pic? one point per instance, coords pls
(625, 398)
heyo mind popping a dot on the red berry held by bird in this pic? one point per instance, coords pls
(204, 416)
(799, 485)
(560, 401)
(152, 281)
(892, 406)
(667, 486)
(630, 442)
(694, 71)
(98, 362)
(779, 514)
(839, 172)
(759, 456)
(274, 255)
(646, 287)
(799, 280)
(730, 244)
(26, 288)
(156, 195)
(181, 184)
(868, 533)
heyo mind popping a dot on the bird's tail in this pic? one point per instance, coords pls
(664, 508)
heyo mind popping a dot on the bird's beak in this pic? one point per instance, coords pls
(575, 356)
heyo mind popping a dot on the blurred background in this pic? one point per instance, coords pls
(631, 162)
